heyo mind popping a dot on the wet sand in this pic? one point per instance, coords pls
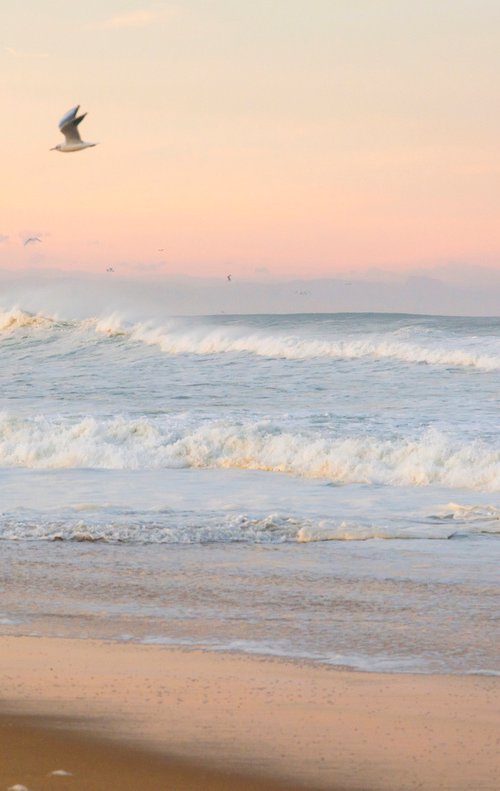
(36, 752)
(243, 719)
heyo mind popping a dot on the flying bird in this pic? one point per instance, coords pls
(69, 127)
(110, 269)
(229, 277)
(31, 240)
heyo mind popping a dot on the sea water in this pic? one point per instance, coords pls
(319, 487)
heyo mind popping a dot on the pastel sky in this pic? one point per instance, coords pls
(264, 137)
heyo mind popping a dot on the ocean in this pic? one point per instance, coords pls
(320, 487)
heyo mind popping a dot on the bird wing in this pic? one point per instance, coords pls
(70, 115)
(69, 125)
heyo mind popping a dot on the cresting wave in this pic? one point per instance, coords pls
(204, 340)
(179, 337)
(15, 319)
(147, 443)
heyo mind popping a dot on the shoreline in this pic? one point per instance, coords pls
(276, 721)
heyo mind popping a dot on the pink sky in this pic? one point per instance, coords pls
(296, 138)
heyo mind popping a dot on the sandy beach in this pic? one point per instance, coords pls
(38, 748)
(245, 723)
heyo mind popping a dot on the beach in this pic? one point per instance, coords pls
(247, 719)
(33, 749)
(263, 548)
(249, 396)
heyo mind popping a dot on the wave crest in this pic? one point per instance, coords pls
(143, 443)
(15, 318)
(221, 340)
(197, 337)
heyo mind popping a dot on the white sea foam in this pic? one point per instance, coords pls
(178, 337)
(15, 318)
(110, 325)
(145, 443)
(223, 340)
(144, 528)
(337, 444)
(354, 532)
(470, 513)
(187, 528)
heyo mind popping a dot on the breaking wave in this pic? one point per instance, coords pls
(432, 458)
(194, 337)
(15, 319)
(222, 340)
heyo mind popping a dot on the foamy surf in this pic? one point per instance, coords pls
(431, 458)
(199, 338)
(327, 474)
(222, 340)
(15, 319)
(109, 526)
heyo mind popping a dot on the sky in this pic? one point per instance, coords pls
(271, 139)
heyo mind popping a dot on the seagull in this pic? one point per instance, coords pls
(229, 277)
(31, 240)
(110, 269)
(69, 127)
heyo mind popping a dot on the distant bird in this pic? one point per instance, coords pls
(161, 249)
(69, 127)
(110, 269)
(229, 277)
(31, 240)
